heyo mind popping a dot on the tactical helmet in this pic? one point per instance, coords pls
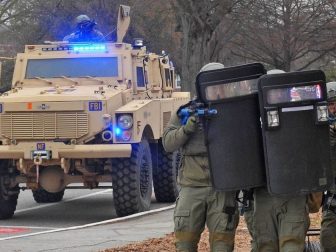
(82, 18)
(275, 71)
(331, 89)
(211, 66)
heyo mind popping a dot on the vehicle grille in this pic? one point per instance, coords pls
(51, 125)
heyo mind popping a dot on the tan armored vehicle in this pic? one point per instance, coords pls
(88, 113)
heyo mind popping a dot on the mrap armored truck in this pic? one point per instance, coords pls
(89, 113)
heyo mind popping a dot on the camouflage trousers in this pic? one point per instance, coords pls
(280, 223)
(328, 230)
(197, 206)
(248, 216)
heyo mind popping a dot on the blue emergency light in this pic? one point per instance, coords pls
(117, 131)
(89, 48)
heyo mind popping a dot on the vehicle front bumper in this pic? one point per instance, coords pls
(61, 150)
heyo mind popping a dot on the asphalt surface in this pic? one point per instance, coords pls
(85, 220)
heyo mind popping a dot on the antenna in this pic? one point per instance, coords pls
(124, 20)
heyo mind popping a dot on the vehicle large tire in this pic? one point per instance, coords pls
(165, 175)
(132, 180)
(8, 205)
(42, 196)
(8, 196)
(312, 246)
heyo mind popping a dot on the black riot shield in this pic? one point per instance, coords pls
(233, 136)
(295, 132)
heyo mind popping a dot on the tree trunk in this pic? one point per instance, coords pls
(205, 31)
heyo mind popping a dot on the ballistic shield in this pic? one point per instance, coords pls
(295, 132)
(233, 136)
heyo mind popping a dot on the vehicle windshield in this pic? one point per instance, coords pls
(72, 67)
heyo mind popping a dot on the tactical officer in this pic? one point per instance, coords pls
(280, 222)
(198, 203)
(328, 225)
(85, 31)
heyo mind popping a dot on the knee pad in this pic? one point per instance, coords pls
(225, 238)
(186, 241)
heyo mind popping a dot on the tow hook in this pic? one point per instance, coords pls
(37, 161)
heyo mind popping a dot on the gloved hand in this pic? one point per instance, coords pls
(191, 125)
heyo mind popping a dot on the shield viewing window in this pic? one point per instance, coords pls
(230, 83)
(294, 94)
(229, 90)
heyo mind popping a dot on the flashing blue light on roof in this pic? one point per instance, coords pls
(89, 48)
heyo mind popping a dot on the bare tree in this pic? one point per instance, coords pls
(287, 34)
(7, 10)
(206, 26)
(12, 9)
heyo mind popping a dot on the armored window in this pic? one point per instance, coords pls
(140, 77)
(178, 81)
(172, 77)
(72, 67)
(167, 76)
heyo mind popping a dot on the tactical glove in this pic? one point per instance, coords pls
(191, 125)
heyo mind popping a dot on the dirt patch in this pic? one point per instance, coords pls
(166, 244)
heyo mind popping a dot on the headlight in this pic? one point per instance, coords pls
(125, 122)
(322, 113)
(273, 118)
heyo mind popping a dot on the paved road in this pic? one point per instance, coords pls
(95, 238)
(78, 207)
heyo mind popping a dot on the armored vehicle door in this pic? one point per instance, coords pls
(233, 136)
(295, 132)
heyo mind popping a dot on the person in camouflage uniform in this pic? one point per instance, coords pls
(198, 203)
(280, 222)
(85, 31)
(328, 225)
